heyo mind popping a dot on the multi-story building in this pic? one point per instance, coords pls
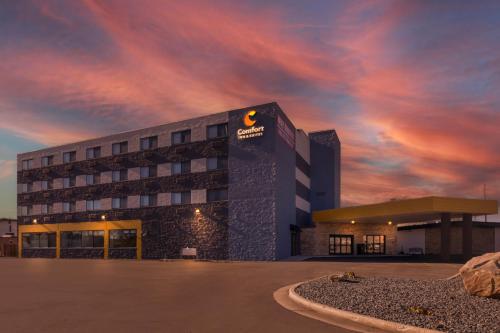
(233, 185)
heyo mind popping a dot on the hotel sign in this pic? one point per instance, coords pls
(250, 130)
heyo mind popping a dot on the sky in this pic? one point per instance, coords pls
(411, 87)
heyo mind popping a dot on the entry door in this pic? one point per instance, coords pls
(341, 244)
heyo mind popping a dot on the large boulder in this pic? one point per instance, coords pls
(481, 275)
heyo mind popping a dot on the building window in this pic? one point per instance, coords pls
(39, 240)
(181, 137)
(148, 200)
(148, 172)
(119, 175)
(92, 179)
(47, 160)
(216, 163)
(181, 167)
(341, 244)
(94, 152)
(27, 164)
(217, 195)
(69, 207)
(26, 210)
(120, 148)
(69, 182)
(217, 131)
(47, 184)
(69, 156)
(181, 198)
(119, 203)
(82, 239)
(47, 209)
(149, 143)
(91, 239)
(93, 205)
(122, 238)
(374, 244)
(26, 188)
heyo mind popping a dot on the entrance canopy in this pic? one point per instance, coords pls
(408, 210)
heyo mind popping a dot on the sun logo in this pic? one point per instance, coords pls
(248, 118)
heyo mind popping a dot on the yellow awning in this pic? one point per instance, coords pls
(408, 210)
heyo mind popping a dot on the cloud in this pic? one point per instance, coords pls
(7, 168)
(410, 87)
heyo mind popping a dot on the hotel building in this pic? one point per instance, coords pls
(237, 185)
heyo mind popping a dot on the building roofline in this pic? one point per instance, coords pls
(110, 136)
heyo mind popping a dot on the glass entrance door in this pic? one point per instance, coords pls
(341, 244)
(374, 244)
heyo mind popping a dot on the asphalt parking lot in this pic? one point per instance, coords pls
(47, 295)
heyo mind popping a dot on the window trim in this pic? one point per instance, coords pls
(183, 134)
(217, 126)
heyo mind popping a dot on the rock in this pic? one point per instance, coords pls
(345, 277)
(481, 275)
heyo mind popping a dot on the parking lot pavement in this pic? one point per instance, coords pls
(47, 295)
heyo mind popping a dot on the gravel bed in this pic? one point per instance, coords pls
(451, 308)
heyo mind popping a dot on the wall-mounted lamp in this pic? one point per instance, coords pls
(353, 222)
(103, 217)
(389, 222)
(35, 221)
(197, 211)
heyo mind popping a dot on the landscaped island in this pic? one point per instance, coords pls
(442, 305)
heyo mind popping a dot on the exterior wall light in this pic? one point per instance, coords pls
(353, 222)
(197, 211)
(35, 221)
(103, 217)
(389, 223)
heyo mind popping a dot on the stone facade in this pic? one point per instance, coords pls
(483, 240)
(315, 241)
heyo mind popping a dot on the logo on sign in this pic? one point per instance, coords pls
(251, 131)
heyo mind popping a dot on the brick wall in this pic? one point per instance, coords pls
(315, 241)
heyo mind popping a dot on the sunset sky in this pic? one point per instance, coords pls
(412, 87)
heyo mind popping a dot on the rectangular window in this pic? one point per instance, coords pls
(69, 182)
(217, 195)
(341, 244)
(47, 209)
(148, 172)
(119, 203)
(94, 152)
(69, 156)
(181, 167)
(374, 244)
(47, 184)
(148, 200)
(181, 198)
(27, 164)
(149, 143)
(119, 175)
(181, 137)
(92, 239)
(217, 131)
(39, 240)
(93, 179)
(120, 148)
(47, 160)
(122, 238)
(26, 188)
(69, 207)
(71, 239)
(93, 205)
(216, 163)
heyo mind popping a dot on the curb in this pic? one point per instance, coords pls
(340, 318)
